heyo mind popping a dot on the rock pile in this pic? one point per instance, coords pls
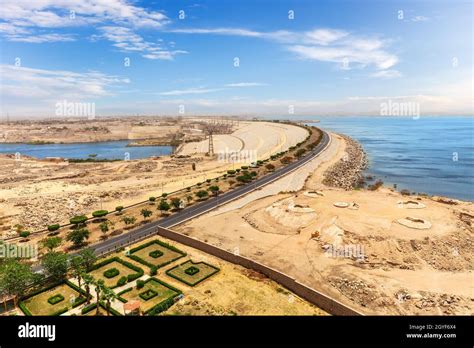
(347, 173)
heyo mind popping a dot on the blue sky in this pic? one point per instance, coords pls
(331, 58)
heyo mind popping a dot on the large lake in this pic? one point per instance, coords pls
(434, 155)
(103, 150)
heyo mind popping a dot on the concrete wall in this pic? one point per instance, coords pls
(322, 301)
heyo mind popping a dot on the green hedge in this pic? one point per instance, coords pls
(93, 306)
(55, 299)
(54, 227)
(24, 309)
(110, 273)
(130, 277)
(194, 263)
(160, 307)
(159, 242)
(79, 300)
(148, 294)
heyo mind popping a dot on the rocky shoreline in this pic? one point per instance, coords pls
(347, 173)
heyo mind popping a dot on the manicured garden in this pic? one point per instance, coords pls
(55, 300)
(155, 254)
(154, 295)
(192, 273)
(116, 272)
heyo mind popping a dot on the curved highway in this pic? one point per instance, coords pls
(210, 204)
(205, 206)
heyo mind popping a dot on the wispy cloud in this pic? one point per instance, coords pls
(199, 90)
(387, 74)
(28, 83)
(245, 84)
(322, 44)
(205, 90)
(127, 40)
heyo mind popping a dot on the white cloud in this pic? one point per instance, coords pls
(41, 38)
(54, 85)
(127, 40)
(325, 36)
(387, 74)
(199, 90)
(245, 84)
(322, 44)
(32, 21)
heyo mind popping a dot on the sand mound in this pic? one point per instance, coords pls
(290, 217)
(313, 194)
(411, 204)
(415, 223)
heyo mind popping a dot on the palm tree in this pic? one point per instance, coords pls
(88, 280)
(109, 296)
(99, 286)
(77, 268)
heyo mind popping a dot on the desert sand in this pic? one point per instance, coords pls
(360, 255)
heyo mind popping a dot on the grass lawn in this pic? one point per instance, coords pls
(123, 271)
(163, 292)
(192, 273)
(160, 255)
(39, 305)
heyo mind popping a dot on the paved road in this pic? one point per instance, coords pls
(200, 208)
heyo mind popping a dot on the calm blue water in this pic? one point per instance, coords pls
(103, 150)
(415, 154)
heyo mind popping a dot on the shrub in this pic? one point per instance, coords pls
(148, 294)
(55, 299)
(208, 180)
(202, 194)
(140, 284)
(153, 270)
(119, 209)
(104, 227)
(270, 166)
(146, 213)
(253, 173)
(286, 160)
(129, 220)
(245, 167)
(231, 172)
(176, 203)
(24, 234)
(110, 273)
(164, 195)
(155, 254)
(79, 219)
(99, 213)
(54, 227)
(300, 152)
(152, 199)
(122, 281)
(164, 205)
(191, 270)
(133, 276)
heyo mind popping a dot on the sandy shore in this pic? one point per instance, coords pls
(361, 254)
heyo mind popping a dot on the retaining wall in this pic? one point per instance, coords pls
(322, 301)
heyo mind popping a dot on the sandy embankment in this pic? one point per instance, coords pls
(37, 193)
(360, 255)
